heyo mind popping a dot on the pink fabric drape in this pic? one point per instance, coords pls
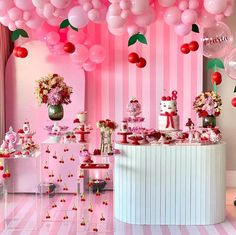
(5, 50)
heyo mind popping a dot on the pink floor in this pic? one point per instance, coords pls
(25, 215)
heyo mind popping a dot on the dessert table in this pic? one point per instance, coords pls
(170, 184)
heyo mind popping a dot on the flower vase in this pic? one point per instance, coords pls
(109, 143)
(55, 112)
(102, 143)
(209, 121)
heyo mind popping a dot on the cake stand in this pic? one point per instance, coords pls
(124, 137)
(82, 135)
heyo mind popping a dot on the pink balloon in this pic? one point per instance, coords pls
(76, 37)
(88, 41)
(219, 17)
(183, 29)
(55, 21)
(183, 5)
(124, 14)
(117, 31)
(39, 3)
(48, 10)
(26, 15)
(166, 3)
(114, 9)
(142, 30)
(63, 34)
(193, 4)
(96, 4)
(230, 64)
(172, 16)
(42, 31)
(25, 5)
(15, 14)
(228, 11)
(89, 66)
(60, 3)
(206, 19)
(58, 49)
(80, 55)
(132, 29)
(12, 26)
(62, 13)
(96, 54)
(215, 6)
(5, 20)
(52, 38)
(115, 21)
(78, 17)
(87, 6)
(139, 7)
(94, 15)
(189, 17)
(146, 19)
(6, 4)
(217, 40)
(125, 5)
(34, 22)
(20, 24)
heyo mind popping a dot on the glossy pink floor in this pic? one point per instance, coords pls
(25, 215)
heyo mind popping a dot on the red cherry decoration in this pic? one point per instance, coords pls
(69, 47)
(4, 176)
(216, 78)
(95, 230)
(22, 52)
(233, 102)
(15, 51)
(141, 63)
(168, 98)
(133, 57)
(185, 48)
(1, 168)
(193, 46)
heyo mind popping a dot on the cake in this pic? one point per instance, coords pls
(134, 108)
(169, 119)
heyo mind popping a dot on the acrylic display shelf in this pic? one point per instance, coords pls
(170, 185)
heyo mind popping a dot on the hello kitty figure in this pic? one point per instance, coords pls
(26, 127)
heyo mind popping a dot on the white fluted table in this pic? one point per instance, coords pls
(170, 184)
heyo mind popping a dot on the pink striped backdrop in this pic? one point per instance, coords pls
(115, 81)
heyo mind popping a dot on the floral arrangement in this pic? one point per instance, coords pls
(208, 104)
(52, 90)
(107, 124)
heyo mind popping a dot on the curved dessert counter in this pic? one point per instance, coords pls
(170, 184)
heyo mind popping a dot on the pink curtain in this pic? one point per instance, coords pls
(5, 50)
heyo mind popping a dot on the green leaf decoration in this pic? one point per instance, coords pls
(195, 28)
(132, 40)
(74, 28)
(141, 38)
(235, 89)
(15, 35)
(212, 64)
(65, 23)
(23, 33)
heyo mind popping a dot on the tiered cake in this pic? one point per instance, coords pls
(169, 119)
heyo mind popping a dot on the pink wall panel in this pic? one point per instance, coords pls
(115, 81)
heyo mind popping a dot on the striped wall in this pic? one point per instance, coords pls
(115, 81)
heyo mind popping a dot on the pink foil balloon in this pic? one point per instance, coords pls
(230, 64)
(78, 17)
(217, 40)
(189, 17)
(172, 16)
(215, 6)
(89, 66)
(96, 54)
(183, 29)
(52, 38)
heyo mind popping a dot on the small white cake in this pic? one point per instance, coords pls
(169, 118)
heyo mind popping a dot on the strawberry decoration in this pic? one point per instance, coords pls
(133, 57)
(185, 48)
(216, 78)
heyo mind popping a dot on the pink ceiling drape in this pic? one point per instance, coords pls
(5, 50)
